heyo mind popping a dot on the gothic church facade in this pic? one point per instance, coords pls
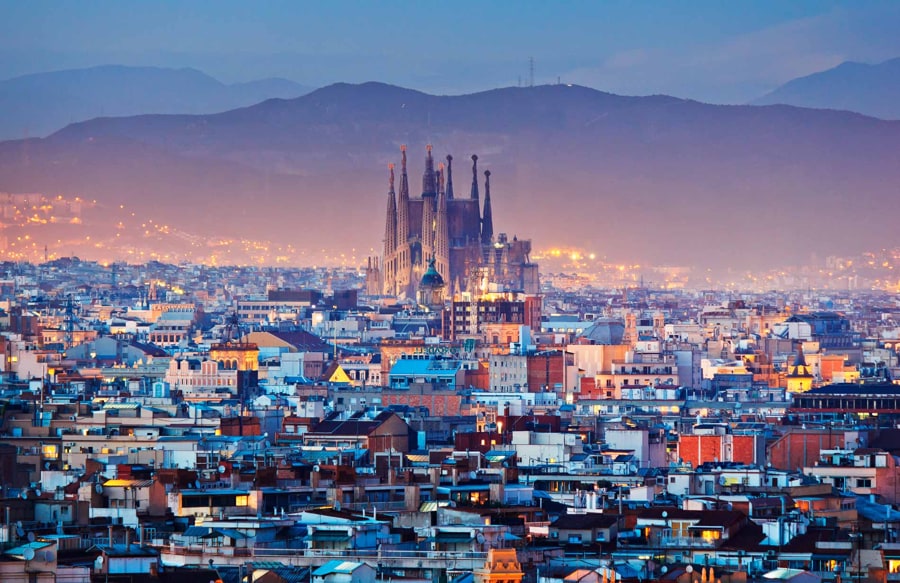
(456, 232)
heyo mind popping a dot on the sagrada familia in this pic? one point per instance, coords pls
(452, 235)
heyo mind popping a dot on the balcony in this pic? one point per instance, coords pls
(395, 559)
(690, 542)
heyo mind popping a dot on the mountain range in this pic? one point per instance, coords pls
(868, 89)
(38, 104)
(635, 179)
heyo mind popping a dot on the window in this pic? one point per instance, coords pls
(863, 482)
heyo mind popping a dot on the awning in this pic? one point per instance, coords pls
(453, 537)
(328, 536)
(227, 532)
(511, 537)
(122, 483)
(196, 531)
(433, 505)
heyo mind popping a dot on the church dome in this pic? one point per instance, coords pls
(431, 278)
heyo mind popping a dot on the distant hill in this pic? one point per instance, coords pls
(36, 105)
(651, 179)
(868, 89)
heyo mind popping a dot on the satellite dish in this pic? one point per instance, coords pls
(30, 538)
(20, 532)
(222, 469)
(46, 465)
(28, 553)
(197, 484)
(24, 495)
(316, 468)
(38, 492)
(98, 563)
(479, 538)
(98, 488)
(47, 556)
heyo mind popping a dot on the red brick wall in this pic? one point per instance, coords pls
(588, 389)
(437, 404)
(801, 448)
(545, 370)
(479, 379)
(886, 482)
(533, 313)
(240, 426)
(743, 450)
(698, 449)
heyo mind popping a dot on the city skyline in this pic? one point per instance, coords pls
(730, 194)
(472, 292)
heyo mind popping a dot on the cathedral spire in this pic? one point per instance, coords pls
(487, 219)
(404, 179)
(390, 235)
(428, 221)
(403, 256)
(449, 177)
(474, 194)
(403, 202)
(441, 231)
(390, 228)
(429, 184)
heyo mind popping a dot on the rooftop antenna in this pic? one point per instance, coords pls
(531, 71)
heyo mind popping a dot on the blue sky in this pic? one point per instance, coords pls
(724, 51)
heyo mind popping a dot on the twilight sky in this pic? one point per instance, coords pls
(716, 51)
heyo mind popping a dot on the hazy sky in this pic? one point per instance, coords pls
(717, 51)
